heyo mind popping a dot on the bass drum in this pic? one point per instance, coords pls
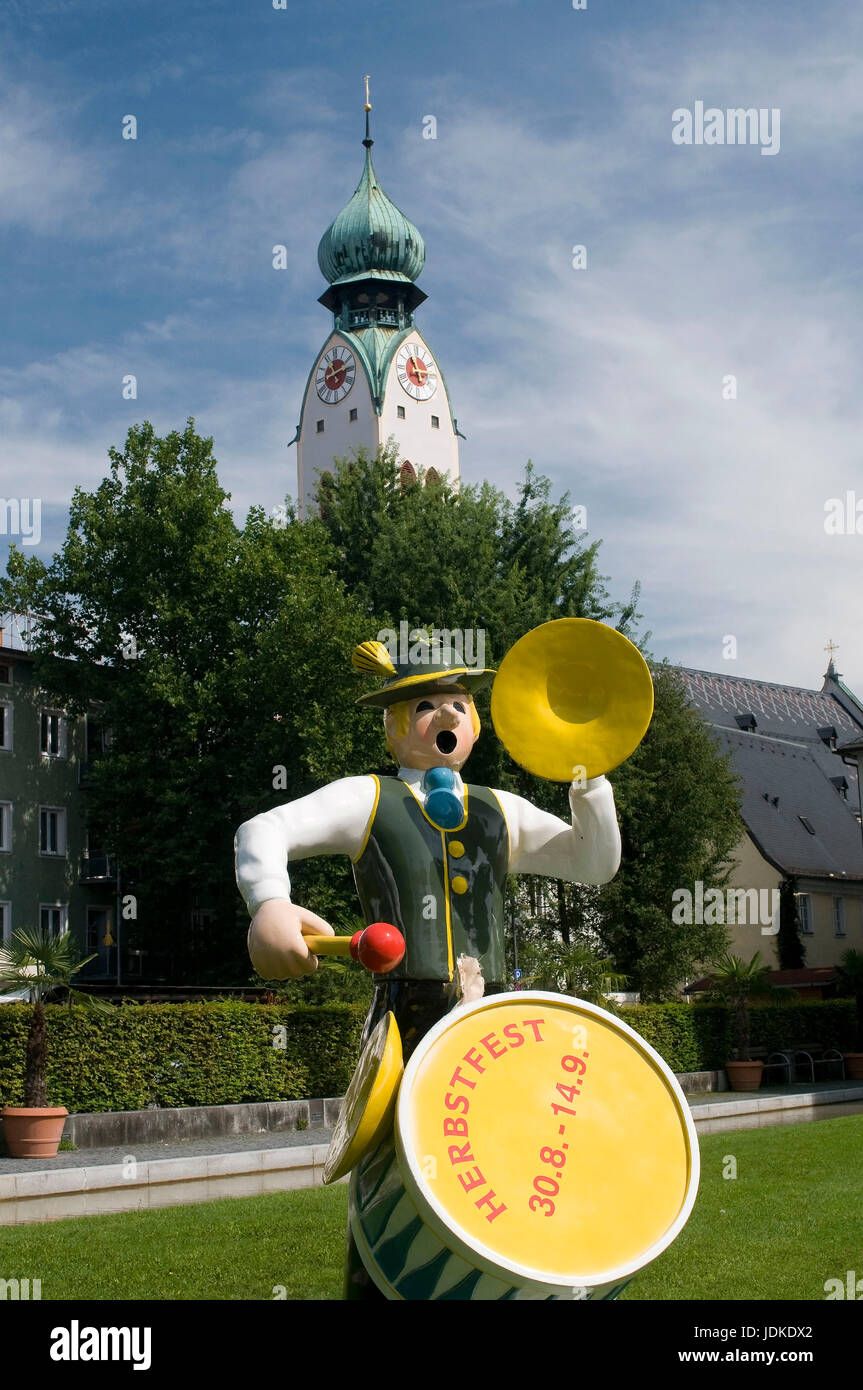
(541, 1150)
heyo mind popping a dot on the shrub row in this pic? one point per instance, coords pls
(227, 1052)
(699, 1037)
(218, 1053)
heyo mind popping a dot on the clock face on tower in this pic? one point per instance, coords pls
(417, 371)
(335, 375)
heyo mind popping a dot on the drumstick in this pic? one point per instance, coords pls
(380, 948)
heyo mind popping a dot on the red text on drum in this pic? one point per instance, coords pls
(456, 1126)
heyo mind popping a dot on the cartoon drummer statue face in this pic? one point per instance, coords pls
(436, 730)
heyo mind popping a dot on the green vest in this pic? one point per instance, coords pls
(443, 889)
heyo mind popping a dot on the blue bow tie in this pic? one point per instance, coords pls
(443, 802)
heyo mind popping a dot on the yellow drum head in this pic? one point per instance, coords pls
(368, 1105)
(572, 694)
(541, 1136)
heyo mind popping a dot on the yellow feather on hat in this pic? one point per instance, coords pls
(372, 657)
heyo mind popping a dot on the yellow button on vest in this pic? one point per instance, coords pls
(459, 884)
(456, 849)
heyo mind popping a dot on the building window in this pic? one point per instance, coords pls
(5, 922)
(53, 918)
(6, 826)
(5, 726)
(96, 741)
(353, 413)
(52, 734)
(400, 412)
(838, 916)
(52, 830)
(98, 927)
(435, 422)
(319, 426)
(804, 912)
(5, 675)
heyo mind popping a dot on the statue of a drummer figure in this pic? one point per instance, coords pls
(430, 853)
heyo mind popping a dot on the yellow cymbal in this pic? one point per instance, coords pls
(572, 697)
(368, 1106)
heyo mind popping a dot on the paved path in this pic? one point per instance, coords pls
(187, 1148)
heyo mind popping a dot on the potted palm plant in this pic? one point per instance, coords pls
(736, 981)
(36, 964)
(850, 972)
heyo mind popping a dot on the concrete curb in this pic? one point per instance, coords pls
(122, 1128)
(132, 1186)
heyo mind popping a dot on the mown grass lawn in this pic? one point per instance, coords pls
(791, 1219)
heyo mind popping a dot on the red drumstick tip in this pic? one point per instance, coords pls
(381, 947)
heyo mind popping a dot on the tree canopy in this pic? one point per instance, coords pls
(221, 656)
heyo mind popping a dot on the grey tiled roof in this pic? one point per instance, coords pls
(785, 768)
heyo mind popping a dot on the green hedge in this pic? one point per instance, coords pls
(222, 1053)
(218, 1053)
(698, 1037)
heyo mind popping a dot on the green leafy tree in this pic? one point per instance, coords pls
(678, 806)
(789, 942)
(220, 658)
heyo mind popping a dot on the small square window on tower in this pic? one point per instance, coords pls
(400, 411)
(435, 422)
(320, 426)
(353, 414)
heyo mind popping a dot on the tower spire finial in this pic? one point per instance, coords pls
(368, 142)
(830, 649)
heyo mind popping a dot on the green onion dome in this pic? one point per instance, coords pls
(370, 234)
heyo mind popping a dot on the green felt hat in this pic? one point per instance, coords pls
(420, 675)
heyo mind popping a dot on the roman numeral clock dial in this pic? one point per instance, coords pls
(335, 375)
(417, 371)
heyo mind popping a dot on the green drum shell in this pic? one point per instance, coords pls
(407, 1259)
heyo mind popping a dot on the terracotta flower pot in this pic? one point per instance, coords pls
(853, 1065)
(33, 1131)
(744, 1076)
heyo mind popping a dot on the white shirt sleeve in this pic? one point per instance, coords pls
(332, 820)
(588, 851)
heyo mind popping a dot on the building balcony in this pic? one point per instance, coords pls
(98, 868)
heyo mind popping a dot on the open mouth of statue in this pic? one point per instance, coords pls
(445, 741)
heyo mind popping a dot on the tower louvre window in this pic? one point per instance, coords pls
(435, 422)
(319, 426)
(746, 721)
(353, 413)
(400, 412)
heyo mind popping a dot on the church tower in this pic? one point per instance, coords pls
(375, 375)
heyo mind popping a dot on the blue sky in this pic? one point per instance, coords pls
(154, 257)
